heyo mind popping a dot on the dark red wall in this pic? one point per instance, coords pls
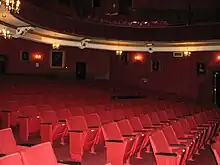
(97, 61)
(177, 75)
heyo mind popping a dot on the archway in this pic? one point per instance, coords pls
(3, 64)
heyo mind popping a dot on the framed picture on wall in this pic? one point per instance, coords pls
(155, 65)
(24, 56)
(200, 68)
(57, 59)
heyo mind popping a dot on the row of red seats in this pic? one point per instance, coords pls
(41, 154)
(76, 127)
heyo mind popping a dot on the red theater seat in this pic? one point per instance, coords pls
(178, 129)
(119, 148)
(29, 121)
(105, 117)
(44, 107)
(173, 141)
(10, 113)
(7, 142)
(41, 154)
(164, 153)
(141, 136)
(82, 137)
(13, 159)
(147, 123)
(216, 149)
(51, 128)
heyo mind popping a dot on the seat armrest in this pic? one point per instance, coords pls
(149, 127)
(114, 141)
(23, 117)
(177, 145)
(1, 155)
(191, 133)
(26, 144)
(129, 135)
(6, 111)
(157, 124)
(76, 131)
(187, 115)
(140, 131)
(69, 162)
(165, 121)
(93, 127)
(185, 138)
(62, 121)
(173, 119)
(204, 125)
(46, 123)
(166, 154)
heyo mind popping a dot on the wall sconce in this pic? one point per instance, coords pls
(187, 53)
(119, 52)
(56, 46)
(37, 57)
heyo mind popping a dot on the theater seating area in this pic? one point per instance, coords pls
(81, 118)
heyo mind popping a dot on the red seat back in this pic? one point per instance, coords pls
(170, 135)
(92, 120)
(159, 142)
(7, 142)
(125, 127)
(136, 124)
(49, 116)
(39, 154)
(13, 159)
(77, 123)
(111, 131)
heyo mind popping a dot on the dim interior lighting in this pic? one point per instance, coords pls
(187, 53)
(138, 58)
(37, 57)
(56, 46)
(218, 58)
(119, 52)
(5, 33)
(11, 5)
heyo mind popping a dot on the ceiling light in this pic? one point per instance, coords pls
(11, 5)
(56, 46)
(5, 33)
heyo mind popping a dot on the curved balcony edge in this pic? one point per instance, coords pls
(49, 20)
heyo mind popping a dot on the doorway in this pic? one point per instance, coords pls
(81, 70)
(3, 61)
(216, 88)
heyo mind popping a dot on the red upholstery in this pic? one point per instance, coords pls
(7, 142)
(10, 114)
(13, 159)
(82, 137)
(51, 128)
(141, 136)
(164, 154)
(173, 141)
(119, 148)
(29, 121)
(39, 154)
(216, 150)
